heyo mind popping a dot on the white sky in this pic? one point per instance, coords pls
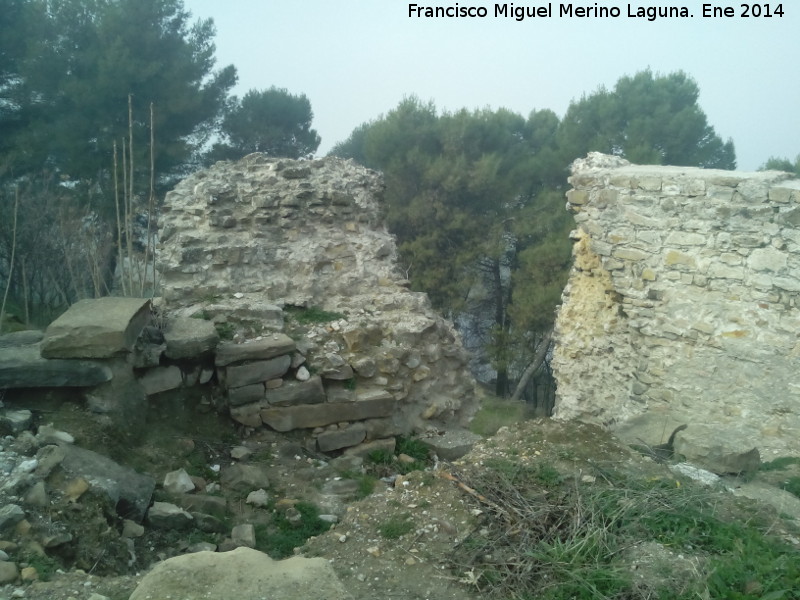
(356, 59)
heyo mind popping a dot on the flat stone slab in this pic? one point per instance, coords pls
(319, 415)
(275, 344)
(341, 438)
(23, 367)
(96, 328)
(189, 338)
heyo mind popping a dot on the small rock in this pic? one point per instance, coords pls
(178, 482)
(48, 434)
(37, 495)
(8, 572)
(131, 529)
(168, 516)
(29, 574)
(10, 515)
(302, 374)
(406, 459)
(374, 551)
(244, 535)
(76, 488)
(240, 452)
(51, 541)
(329, 518)
(258, 498)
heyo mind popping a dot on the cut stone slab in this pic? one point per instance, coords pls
(96, 328)
(246, 394)
(304, 392)
(23, 367)
(189, 338)
(250, 573)
(451, 445)
(128, 490)
(257, 371)
(341, 438)
(319, 415)
(276, 344)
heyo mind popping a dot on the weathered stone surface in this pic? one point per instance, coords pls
(21, 366)
(177, 482)
(244, 478)
(246, 394)
(270, 346)
(305, 392)
(244, 534)
(189, 338)
(341, 438)
(161, 379)
(96, 328)
(452, 444)
(14, 421)
(252, 574)
(165, 515)
(256, 371)
(696, 318)
(128, 490)
(203, 503)
(318, 415)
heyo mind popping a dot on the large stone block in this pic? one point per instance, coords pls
(271, 346)
(96, 328)
(319, 415)
(189, 338)
(257, 371)
(23, 367)
(161, 379)
(305, 392)
(341, 438)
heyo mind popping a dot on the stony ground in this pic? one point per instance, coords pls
(397, 542)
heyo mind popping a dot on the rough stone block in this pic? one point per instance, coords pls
(189, 338)
(23, 367)
(97, 328)
(274, 345)
(161, 379)
(305, 392)
(341, 438)
(257, 371)
(246, 394)
(319, 415)
(248, 415)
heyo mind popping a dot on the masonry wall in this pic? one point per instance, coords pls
(684, 301)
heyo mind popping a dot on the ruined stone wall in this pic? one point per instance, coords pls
(242, 243)
(683, 305)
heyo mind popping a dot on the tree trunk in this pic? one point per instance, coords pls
(538, 359)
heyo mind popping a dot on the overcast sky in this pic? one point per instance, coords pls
(356, 59)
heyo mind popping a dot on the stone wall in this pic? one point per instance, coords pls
(258, 245)
(683, 305)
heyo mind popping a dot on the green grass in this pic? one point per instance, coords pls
(396, 527)
(780, 463)
(280, 537)
(546, 536)
(495, 413)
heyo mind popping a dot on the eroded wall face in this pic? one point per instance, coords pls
(683, 301)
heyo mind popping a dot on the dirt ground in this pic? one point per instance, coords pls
(398, 542)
